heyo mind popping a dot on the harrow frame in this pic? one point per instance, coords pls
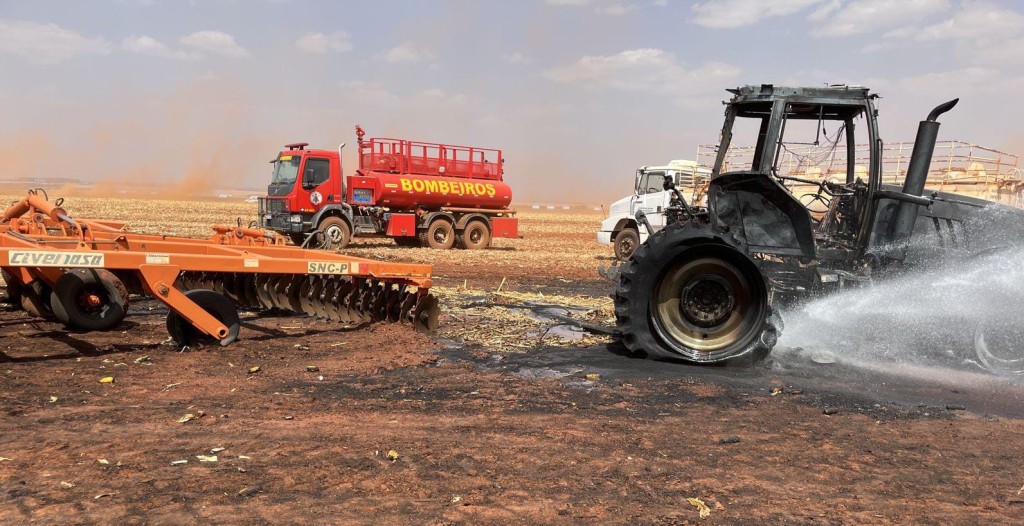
(39, 241)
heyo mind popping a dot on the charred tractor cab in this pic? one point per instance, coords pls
(707, 288)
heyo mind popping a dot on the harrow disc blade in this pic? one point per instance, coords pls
(426, 314)
(315, 293)
(262, 293)
(407, 306)
(305, 302)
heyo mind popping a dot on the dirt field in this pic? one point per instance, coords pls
(507, 416)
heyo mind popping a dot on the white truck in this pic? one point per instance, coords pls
(649, 195)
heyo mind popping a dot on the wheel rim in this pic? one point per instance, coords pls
(998, 348)
(334, 234)
(626, 247)
(704, 307)
(93, 302)
(475, 235)
(441, 233)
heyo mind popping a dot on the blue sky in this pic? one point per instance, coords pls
(577, 92)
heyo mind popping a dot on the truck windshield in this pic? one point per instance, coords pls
(286, 169)
(651, 182)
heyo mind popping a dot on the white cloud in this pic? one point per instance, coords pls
(616, 9)
(569, 2)
(982, 33)
(146, 45)
(976, 21)
(660, 3)
(407, 52)
(319, 43)
(515, 58)
(647, 71)
(47, 43)
(727, 14)
(372, 93)
(215, 42)
(865, 16)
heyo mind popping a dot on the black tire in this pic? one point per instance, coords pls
(626, 243)
(408, 241)
(691, 294)
(440, 234)
(297, 239)
(334, 233)
(13, 288)
(89, 300)
(475, 236)
(218, 306)
(35, 299)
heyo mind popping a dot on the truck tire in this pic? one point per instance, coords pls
(334, 233)
(626, 243)
(690, 294)
(440, 234)
(475, 236)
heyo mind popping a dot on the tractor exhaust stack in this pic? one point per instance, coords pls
(917, 175)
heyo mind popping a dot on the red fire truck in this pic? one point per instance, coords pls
(419, 193)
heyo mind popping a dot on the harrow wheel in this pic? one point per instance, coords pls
(218, 306)
(89, 300)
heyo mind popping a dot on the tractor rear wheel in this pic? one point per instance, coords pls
(475, 236)
(89, 300)
(218, 306)
(626, 242)
(690, 294)
(440, 234)
(334, 233)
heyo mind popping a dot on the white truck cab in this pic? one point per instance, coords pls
(649, 195)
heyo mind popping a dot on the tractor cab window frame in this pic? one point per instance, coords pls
(754, 111)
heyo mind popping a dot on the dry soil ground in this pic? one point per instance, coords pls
(501, 418)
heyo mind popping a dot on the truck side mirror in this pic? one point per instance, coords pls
(308, 178)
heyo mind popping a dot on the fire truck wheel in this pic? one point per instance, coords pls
(218, 306)
(13, 288)
(626, 242)
(335, 233)
(440, 234)
(35, 299)
(475, 236)
(89, 300)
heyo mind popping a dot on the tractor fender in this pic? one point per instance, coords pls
(431, 216)
(343, 211)
(465, 219)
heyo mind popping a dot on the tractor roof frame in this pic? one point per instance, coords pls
(835, 103)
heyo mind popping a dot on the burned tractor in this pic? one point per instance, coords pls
(708, 288)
